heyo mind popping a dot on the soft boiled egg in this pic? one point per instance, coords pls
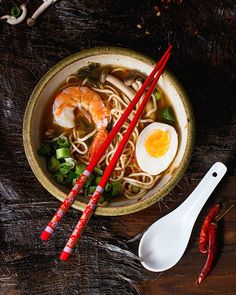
(156, 147)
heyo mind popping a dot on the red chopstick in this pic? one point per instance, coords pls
(89, 169)
(65, 254)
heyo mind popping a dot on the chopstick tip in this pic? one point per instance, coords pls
(64, 256)
(170, 47)
(45, 235)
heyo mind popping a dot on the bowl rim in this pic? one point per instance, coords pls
(107, 211)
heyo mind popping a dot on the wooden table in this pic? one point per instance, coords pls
(202, 33)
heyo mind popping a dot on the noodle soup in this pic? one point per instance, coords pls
(81, 113)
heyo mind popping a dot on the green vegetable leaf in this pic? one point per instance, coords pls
(85, 71)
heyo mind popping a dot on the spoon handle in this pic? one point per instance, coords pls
(194, 203)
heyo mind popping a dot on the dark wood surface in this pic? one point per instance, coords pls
(203, 35)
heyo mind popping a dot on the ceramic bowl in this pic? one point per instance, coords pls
(120, 57)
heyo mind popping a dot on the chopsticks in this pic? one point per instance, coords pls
(45, 235)
(70, 245)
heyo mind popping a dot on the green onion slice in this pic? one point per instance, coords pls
(79, 169)
(116, 188)
(65, 168)
(59, 177)
(157, 94)
(71, 161)
(89, 181)
(108, 187)
(98, 171)
(53, 164)
(167, 115)
(102, 199)
(91, 189)
(98, 179)
(63, 142)
(74, 181)
(72, 175)
(62, 153)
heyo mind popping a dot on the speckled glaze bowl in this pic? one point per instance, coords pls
(122, 57)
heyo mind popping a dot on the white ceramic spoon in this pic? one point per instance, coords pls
(164, 243)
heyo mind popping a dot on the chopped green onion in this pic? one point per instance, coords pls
(102, 199)
(91, 189)
(86, 193)
(98, 171)
(65, 168)
(71, 177)
(59, 177)
(79, 169)
(15, 11)
(167, 115)
(116, 188)
(63, 142)
(62, 153)
(108, 187)
(53, 164)
(135, 189)
(74, 181)
(157, 94)
(97, 180)
(89, 181)
(45, 149)
(71, 161)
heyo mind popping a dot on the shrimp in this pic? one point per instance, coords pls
(74, 97)
(98, 140)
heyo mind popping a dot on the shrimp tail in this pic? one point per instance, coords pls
(97, 142)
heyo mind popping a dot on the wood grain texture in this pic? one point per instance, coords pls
(203, 34)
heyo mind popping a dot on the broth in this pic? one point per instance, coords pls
(112, 97)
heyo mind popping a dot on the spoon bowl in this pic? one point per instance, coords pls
(164, 243)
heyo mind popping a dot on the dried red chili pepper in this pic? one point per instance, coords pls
(212, 232)
(203, 242)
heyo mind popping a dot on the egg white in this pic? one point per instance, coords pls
(151, 164)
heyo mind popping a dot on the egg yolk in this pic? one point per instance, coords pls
(157, 143)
